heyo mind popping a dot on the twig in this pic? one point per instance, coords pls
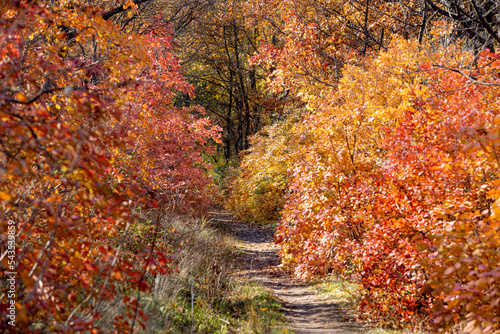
(110, 271)
(192, 307)
(149, 259)
(76, 309)
(484, 23)
(33, 98)
(470, 78)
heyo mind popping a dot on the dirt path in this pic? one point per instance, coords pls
(308, 312)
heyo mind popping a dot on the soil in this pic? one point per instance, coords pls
(308, 311)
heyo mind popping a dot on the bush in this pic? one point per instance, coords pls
(258, 188)
(393, 184)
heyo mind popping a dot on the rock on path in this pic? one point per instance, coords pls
(308, 312)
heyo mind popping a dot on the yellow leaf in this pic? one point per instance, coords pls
(21, 98)
(5, 196)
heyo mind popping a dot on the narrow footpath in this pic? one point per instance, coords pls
(308, 312)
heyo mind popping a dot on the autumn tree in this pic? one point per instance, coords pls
(215, 51)
(477, 20)
(91, 145)
(393, 167)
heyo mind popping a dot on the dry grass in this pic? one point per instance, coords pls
(202, 292)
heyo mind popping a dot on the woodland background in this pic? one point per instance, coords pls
(367, 128)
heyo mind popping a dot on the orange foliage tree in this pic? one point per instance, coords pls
(91, 144)
(392, 178)
(393, 185)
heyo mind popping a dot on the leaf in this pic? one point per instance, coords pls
(5, 196)
(449, 270)
(471, 325)
(21, 98)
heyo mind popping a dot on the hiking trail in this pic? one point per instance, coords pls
(308, 311)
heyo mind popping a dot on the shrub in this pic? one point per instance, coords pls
(259, 187)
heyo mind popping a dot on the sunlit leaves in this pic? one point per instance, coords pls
(392, 184)
(258, 189)
(91, 144)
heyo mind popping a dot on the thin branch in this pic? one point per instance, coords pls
(485, 24)
(76, 309)
(470, 78)
(33, 98)
(119, 9)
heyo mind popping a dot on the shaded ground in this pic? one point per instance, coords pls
(308, 312)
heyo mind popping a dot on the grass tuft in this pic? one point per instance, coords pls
(202, 295)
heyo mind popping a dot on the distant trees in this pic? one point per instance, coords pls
(143, 16)
(215, 41)
(476, 20)
(216, 51)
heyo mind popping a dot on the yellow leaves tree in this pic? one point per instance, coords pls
(259, 186)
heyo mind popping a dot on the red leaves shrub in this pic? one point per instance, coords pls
(91, 145)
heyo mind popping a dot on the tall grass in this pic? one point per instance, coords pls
(201, 295)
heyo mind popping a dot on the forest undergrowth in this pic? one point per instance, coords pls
(202, 294)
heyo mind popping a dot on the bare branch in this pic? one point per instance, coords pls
(470, 78)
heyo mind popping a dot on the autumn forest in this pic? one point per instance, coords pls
(363, 132)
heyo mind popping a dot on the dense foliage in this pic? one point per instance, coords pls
(91, 145)
(387, 180)
(392, 171)
(375, 146)
(259, 186)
